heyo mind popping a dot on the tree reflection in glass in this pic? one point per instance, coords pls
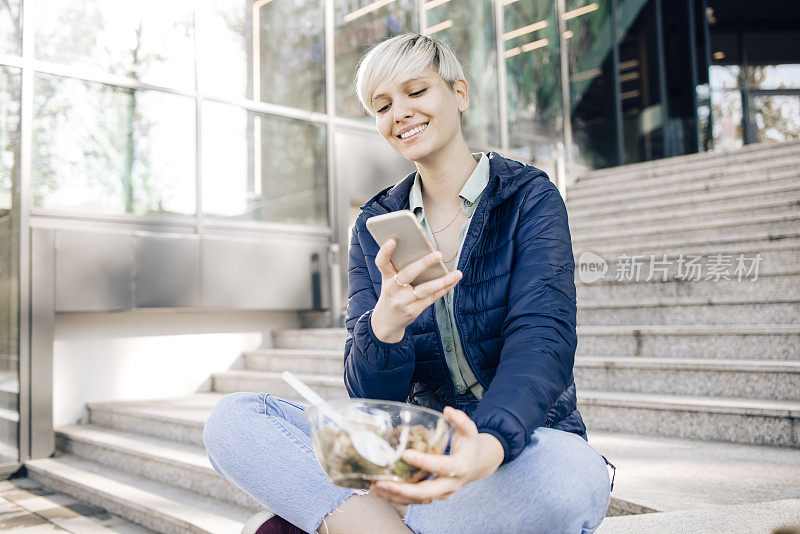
(533, 78)
(100, 149)
(224, 48)
(289, 47)
(359, 25)
(282, 178)
(468, 27)
(11, 27)
(149, 40)
(589, 45)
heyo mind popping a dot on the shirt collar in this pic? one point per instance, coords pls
(472, 189)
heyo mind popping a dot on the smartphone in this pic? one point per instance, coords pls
(412, 243)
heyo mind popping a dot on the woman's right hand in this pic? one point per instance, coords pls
(398, 306)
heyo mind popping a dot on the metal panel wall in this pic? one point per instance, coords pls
(42, 301)
(94, 271)
(271, 274)
(117, 271)
(167, 271)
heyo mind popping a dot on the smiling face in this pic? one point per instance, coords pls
(419, 117)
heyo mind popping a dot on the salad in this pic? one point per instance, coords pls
(346, 467)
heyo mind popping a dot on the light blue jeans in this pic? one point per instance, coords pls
(262, 444)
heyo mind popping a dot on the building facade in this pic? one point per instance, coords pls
(207, 155)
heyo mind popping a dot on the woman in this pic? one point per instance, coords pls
(492, 343)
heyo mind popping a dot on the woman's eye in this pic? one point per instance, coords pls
(417, 93)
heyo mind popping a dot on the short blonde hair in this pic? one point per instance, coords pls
(402, 57)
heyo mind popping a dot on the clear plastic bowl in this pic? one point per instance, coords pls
(429, 431)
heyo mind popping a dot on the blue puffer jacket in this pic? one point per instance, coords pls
(514, 310)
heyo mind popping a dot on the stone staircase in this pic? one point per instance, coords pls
(660, 363)
(713, 355)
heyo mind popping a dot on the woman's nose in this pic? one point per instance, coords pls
(401, 111)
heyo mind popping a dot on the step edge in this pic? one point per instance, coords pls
(135, 497)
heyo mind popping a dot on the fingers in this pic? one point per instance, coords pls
(464, 425)
(411, 271)
(383, 258)
(434, 463)
(422, 492)
(441, 487)
(438, 287)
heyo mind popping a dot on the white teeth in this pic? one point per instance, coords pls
(413, 131)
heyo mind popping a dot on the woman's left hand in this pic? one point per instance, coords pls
(472, 456)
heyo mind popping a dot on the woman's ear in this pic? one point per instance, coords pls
(462, 95)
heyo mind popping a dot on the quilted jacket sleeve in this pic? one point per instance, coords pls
(372, 369)
(536, 361)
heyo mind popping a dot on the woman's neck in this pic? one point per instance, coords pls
(443, 178)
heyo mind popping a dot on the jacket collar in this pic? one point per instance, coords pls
(505, 177)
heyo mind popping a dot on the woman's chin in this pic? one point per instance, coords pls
(415, 153)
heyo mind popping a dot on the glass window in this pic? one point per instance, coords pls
(533, 73)
(150, 40)
(468, 27)
(290, 40)
(103, 149)
(591, 82)
(224, 48)
(9, 257)
(290, 46)
(11, 27)
(726, 119)
(726, 106)
(359, 25)
(281, 178)
(643, 117)
(723, 77)
(777, 117)
(775, 76)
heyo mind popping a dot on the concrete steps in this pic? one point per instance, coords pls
(180, 420)
(779, 283)
(743, 379)
(780, 342)
(712, 231)
(154, 505)
(786, 203)
(669, 474)
(746, 421)
(762, 517)
(734, 342)
(697, 161)
(328, 362)
(783, 246)
(741, 420)
(776, 380)
(700, 486)
(689, 310)
(183, 466)
(310, 338)
(663, 352)
(778, 188)
(146, 461)
(686, 182)
(328, 386)
(687, 164)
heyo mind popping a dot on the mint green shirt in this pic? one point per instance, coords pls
(470, 194)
